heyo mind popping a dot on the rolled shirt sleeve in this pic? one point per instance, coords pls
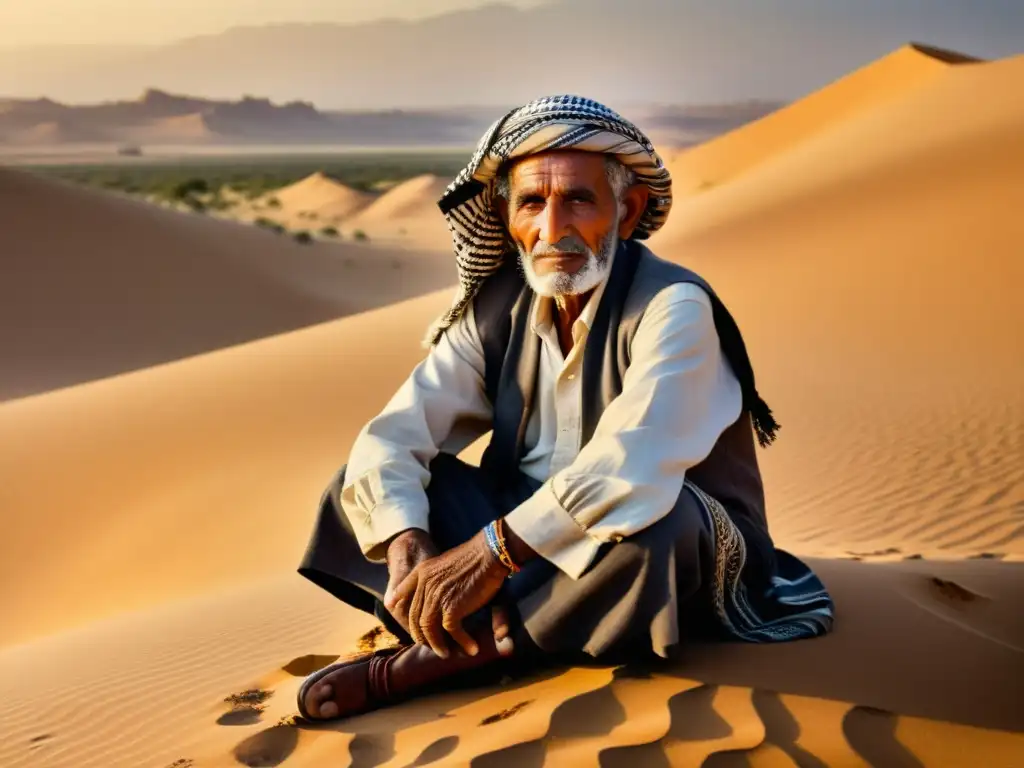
(442, 403)
(678, 396)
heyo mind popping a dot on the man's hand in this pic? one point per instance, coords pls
(443, 590)
(405, 551)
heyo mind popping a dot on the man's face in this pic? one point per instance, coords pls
(563, 216)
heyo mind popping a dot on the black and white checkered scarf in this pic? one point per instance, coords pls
(555, 122)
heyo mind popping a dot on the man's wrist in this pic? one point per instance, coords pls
(410, 537)
(506, 548)
(520, 551)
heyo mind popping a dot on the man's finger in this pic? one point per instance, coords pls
(400, 612)
(499, 622)
(461, 636)
(403, 590)
(433, 633)
(415, 611)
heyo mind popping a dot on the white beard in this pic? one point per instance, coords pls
(585, 279)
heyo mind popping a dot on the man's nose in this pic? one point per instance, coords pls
(553, 223)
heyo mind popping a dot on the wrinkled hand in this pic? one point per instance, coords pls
(405, 551)
(444, 590)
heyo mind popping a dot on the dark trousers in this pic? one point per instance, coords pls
(640, 595)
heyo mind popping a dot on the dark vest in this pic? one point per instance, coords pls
(512, 355)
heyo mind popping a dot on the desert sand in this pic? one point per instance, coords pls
(408, 211)
(95, 285)
(404, 215)
(154, 517)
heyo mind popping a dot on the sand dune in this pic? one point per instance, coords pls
(874, 264)
(891, 77)
(330, 200)
(96, 284)
(404, 215)
(52, 132)
(408, 211)
(176, 129)
(881, 260)
(206, 474)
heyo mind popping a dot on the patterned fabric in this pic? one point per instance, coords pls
(799, 603)
(551, 123)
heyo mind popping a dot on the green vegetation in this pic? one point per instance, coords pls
(270, 224)
(254, 175)
(216, 202)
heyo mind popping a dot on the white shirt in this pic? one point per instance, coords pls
(678, 396)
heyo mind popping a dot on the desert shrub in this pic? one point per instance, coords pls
(217, 203)
(329, 231)
(189, 188)
(360, 235)
(255, 177)
(270, 224)
(303, 237)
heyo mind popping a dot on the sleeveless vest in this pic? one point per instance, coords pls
(501, 308)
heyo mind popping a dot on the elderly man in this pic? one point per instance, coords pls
(618, 509)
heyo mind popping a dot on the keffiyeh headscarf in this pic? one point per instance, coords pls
(479, 236)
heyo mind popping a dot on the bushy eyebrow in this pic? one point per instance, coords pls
(581, 193)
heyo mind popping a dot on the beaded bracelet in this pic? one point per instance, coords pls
(495, 534)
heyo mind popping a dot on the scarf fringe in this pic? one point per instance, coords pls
(765, 425)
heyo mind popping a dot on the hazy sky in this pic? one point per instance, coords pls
(55, 22)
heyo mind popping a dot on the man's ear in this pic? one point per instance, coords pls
(501, 206)
(632, 207)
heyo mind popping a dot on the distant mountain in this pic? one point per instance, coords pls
(635, 53)
(160, 118)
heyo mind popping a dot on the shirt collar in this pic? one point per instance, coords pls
(542, 316)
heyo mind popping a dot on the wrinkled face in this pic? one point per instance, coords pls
(564, 218)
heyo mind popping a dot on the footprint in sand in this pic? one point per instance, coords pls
(872, 734)
(268, 748)
(304, 666)
(246, 707)
(972, 611)
(952, 593)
